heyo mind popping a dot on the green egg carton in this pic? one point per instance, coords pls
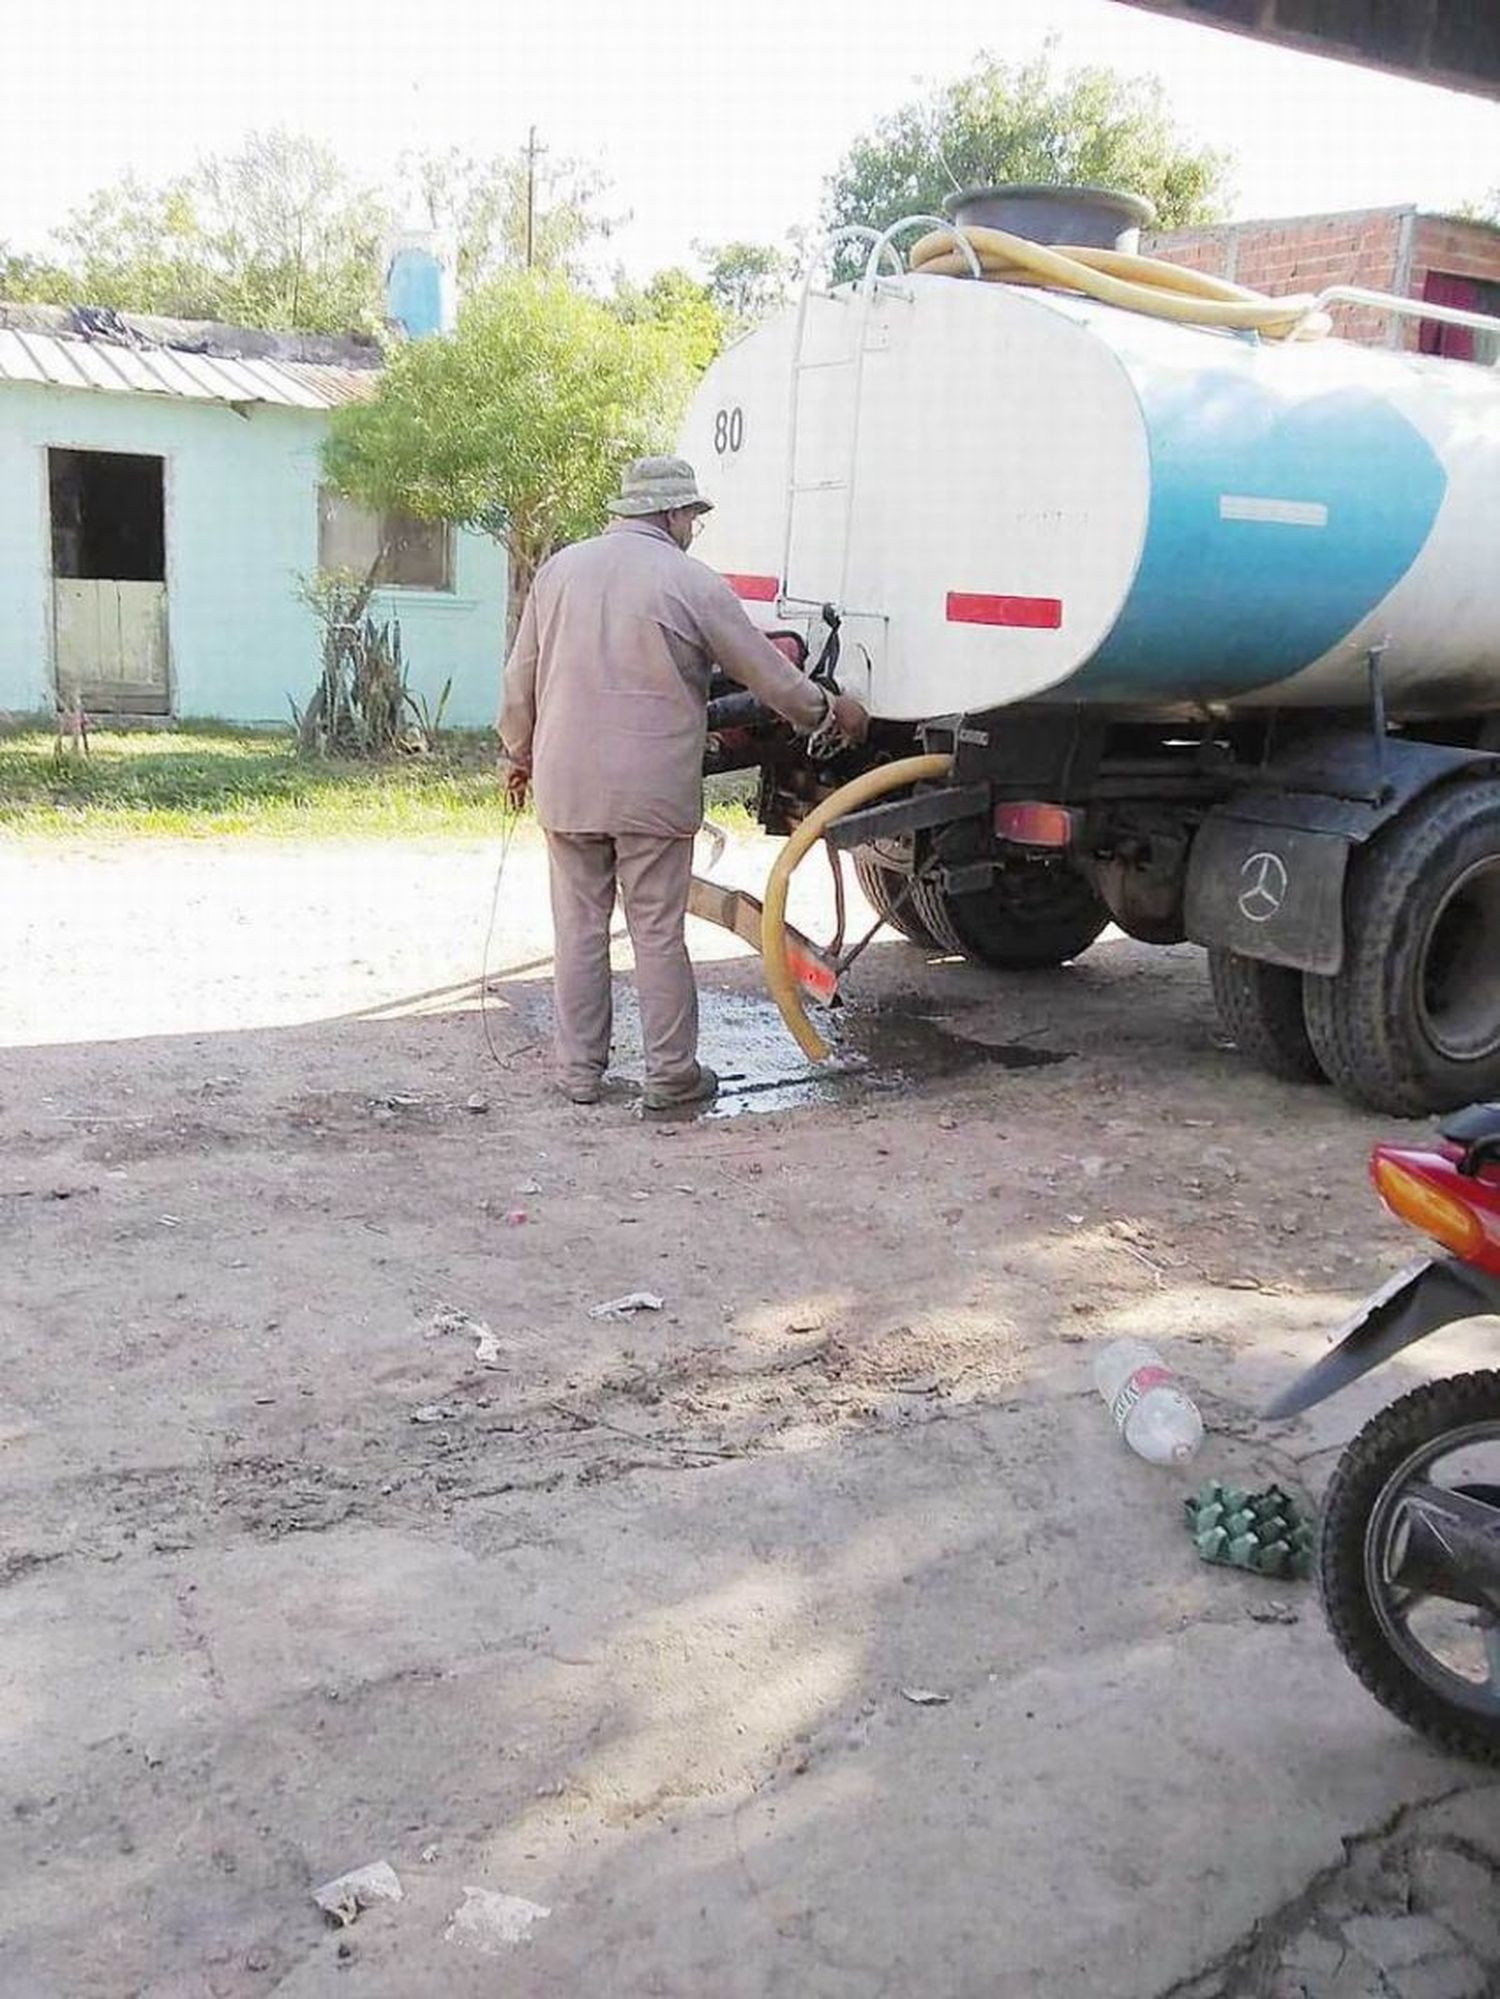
(1264, 1533)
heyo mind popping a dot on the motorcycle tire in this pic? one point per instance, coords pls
(1367, 1467)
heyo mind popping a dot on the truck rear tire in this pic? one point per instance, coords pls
(1412, 1022)
(1030, 918)
(889, 894)
(1261, 1009)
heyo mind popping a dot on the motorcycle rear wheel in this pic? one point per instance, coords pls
(1370, 1622)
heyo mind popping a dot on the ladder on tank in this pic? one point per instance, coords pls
(879, 245)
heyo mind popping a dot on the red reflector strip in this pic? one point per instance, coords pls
(1036, 614)
(754, 589)
(813, 978)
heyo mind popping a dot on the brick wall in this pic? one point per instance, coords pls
(1457, 249)
(1306, 253)
(1386, 249)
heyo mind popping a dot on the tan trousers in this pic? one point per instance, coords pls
(653, 872)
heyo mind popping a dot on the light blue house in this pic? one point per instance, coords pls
(161, 504)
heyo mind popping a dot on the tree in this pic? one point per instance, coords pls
(139, 248)
(279, 234)
(480, 207)
(1024, 122)
(747, 281)
(274, 235)
(298, 241)
(31, 281)
(682, 305)
(519, 423)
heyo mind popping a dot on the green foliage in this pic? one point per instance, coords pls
(280, 235)
(274, 235)
(747, 281)
(743, 284)
(32, 281)
(518, 424)
(683, 306)
(1025, 122)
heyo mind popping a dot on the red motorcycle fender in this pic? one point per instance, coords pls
(1419, 1300)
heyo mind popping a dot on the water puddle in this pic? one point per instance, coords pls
(892, 1049)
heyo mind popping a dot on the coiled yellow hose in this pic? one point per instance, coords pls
(848, 798)
(1138, 284)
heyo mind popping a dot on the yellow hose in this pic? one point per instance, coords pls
(859, 791)
(1139, 284)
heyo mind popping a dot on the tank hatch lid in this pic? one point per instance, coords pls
(1099, 218)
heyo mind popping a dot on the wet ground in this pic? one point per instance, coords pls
(884, 1047)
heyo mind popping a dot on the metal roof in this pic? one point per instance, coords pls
(66, 362)
(1457, 44)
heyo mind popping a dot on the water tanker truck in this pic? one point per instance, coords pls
(1190, 611)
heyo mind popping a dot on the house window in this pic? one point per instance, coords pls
(1460, 343)
(413, 554)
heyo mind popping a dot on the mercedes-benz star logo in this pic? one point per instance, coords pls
(1263, 885)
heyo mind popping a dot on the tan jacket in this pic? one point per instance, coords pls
(606, 688)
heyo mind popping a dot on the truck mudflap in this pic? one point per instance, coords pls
(736, 910)
(1270, 892)
(1267, 869)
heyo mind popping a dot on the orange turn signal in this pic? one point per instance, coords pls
(1032, 824)
(1429, 1209)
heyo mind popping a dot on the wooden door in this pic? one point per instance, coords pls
(109, 589)
(111, 645)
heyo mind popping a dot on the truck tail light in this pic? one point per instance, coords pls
(1034, 825)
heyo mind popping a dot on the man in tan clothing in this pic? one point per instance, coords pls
(604, 714)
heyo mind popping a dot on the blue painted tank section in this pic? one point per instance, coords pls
(1221, 606)
(414, 291)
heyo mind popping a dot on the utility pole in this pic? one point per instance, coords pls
(533, 154)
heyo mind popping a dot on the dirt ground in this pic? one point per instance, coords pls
(335, 1530)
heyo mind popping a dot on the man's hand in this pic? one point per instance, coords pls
(850, 717)
(517, 778)
(845, 722)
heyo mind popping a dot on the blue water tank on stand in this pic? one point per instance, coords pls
(418, 285)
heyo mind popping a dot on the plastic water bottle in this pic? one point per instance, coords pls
(1151, 1412)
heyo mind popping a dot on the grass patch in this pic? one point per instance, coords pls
(212, 780)
(208, 780)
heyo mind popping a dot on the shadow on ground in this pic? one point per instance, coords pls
(811, 1635)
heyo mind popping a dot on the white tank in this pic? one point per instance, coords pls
(1017, 495)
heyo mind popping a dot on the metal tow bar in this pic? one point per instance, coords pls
(815, 969)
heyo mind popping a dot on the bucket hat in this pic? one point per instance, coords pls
(657, 486)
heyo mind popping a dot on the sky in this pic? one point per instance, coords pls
(715, 122)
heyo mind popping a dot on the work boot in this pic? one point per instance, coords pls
(661, 1103)
(585, 1090)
